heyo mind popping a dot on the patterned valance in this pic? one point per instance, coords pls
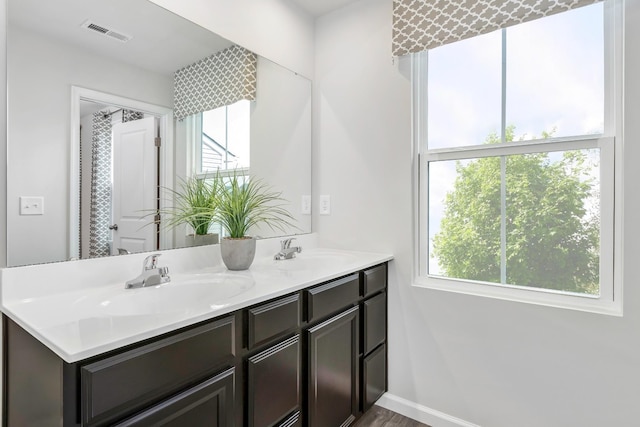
(221, 79)
(425, 24)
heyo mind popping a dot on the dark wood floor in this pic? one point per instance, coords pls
(380, 417)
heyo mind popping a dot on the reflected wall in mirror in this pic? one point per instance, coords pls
(50, 51)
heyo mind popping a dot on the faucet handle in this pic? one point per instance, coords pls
(151, 262)
(286, 243)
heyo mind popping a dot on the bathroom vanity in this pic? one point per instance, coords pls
(304, 344)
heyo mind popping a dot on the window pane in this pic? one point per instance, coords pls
(238, 122)
(464, 219)
(226, 137)
(464, 95)
(214, 125)
(555, 74)
(214, 139)
(552, 220)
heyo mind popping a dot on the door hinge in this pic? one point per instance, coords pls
(156, 218)
(158, 141)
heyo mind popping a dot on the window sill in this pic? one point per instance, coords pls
(546, 298)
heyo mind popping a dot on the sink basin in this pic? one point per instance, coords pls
(185, 293)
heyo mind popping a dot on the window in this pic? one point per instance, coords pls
(517, 138)
(224, 141)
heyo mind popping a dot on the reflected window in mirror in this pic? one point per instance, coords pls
(224, 137)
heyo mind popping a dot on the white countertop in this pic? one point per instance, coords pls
(80, 314)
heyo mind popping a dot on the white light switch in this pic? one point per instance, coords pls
(31, 205)
(305, 208)
(325, 205)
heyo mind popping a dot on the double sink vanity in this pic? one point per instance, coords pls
(295, 342)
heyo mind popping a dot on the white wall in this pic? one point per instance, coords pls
(40, 74)
(488, 362)
(281, 138)
(275, 29)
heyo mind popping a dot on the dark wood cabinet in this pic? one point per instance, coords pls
(294, 420)
(374, 369)
(273, 383)
(374, 322)
(313, 358)
(327, 299)
(209, 404)
(374, 280)
(267, 322)
(188, 372)
(374, 335)
(333, 374)
(121, 384)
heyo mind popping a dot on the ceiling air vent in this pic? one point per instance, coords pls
(108, 32)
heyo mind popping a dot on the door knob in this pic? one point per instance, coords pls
(113, 227)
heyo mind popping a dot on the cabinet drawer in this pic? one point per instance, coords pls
(374, 280)
(375, 321)
(331, 297)
(267, 321)
(209, 404)
(374, 376)
(119, 385)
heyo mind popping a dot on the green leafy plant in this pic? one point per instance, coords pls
(244, 202)
(195, 203)
(552, 238)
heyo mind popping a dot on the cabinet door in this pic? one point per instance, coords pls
(209, 404)
(333, 371)
(273, 383)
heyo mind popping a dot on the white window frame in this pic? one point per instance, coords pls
(610, 144)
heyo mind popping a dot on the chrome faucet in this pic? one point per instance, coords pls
(151, 274)
(286, 250)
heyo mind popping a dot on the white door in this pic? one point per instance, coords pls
(134, 185)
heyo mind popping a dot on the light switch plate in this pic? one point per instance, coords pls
(30, 205)
(325, 205)
(305, 207)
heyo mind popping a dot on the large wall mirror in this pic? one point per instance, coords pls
(88, 77)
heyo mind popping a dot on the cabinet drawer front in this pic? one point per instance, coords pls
(375, 321)
(205, 405)
(374, 280)
(119, 385)
(331, 297)
(270, 320)
(273, 379)
(374, 375)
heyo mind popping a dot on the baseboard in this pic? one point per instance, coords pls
(421, 413)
